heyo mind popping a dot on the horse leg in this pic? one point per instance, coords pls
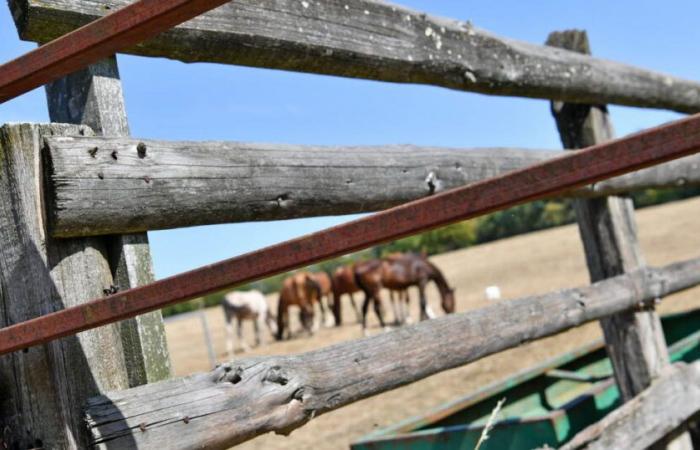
(309, 319)
(337, 311)
(365, 307)
(271, 323)
(356, 308)
(239, 329)
(392, 300)
(378, 310)
(407, 307)
(325, 317)
(423, 302)
(316, 318)
(281, 319)
(229, 335)
(257, 322)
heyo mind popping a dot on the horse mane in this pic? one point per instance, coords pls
(437, 275)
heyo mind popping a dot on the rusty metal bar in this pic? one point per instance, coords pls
(569, 171)
(105, 36)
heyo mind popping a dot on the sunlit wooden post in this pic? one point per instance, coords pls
(634, 339)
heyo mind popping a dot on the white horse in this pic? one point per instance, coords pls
(246, 305)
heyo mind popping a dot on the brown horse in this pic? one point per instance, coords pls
(343, 281)
(399, 272)
(326, 286)
(299, 289)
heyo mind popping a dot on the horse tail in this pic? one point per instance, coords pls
(336, 308)
(360, 282)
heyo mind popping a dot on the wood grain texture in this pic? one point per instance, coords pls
(94, 97)
(43, 390)
(634, 340)
(101, 186)
(649, 417)
(380, 41)
(252, 396)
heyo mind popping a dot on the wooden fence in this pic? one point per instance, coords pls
(63, 188)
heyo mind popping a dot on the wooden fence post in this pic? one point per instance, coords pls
(43, 389)
(634, 340)
(94, 97)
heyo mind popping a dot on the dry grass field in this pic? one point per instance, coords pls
(523, 265)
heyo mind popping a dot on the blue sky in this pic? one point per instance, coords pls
(171, 100)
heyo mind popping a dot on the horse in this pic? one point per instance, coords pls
(343, 282)
(325, 285)
(246, 305)
(399, 272)
(302, 290)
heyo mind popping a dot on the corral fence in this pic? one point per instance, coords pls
(77, 196)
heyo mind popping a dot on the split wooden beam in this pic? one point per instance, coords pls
(380, 41)
(648, 418)
(93, 96)
(634, 339)
(100, 185)
(45, 388)
(248, 397)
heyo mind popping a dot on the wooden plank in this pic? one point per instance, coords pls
(650, 416)
(379, 41)
(257, 395)
(561, 174)
(45, 388)
(101, 186)
(634, 340)
(101, 38)
(93, 96)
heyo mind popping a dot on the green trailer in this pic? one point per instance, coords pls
(546, 404)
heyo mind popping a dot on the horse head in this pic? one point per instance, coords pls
(448, 300)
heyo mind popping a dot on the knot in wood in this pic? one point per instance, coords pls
(226, 373)
(276, 375)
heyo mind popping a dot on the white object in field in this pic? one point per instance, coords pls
(493, 293)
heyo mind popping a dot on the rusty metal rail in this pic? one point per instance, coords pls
(105, 36)
(569, 171)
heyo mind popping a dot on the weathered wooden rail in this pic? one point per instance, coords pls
(669, 402)
(123, 185)
(117, 185)
(257, 395)
(380, 41)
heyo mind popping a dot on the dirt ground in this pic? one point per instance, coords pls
(524, 265)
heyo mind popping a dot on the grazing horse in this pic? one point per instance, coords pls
(248, 305)
(343, 282)
(299, 289)
(399, 272)
(326, 286)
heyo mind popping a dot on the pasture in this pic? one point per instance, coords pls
(528, 264)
